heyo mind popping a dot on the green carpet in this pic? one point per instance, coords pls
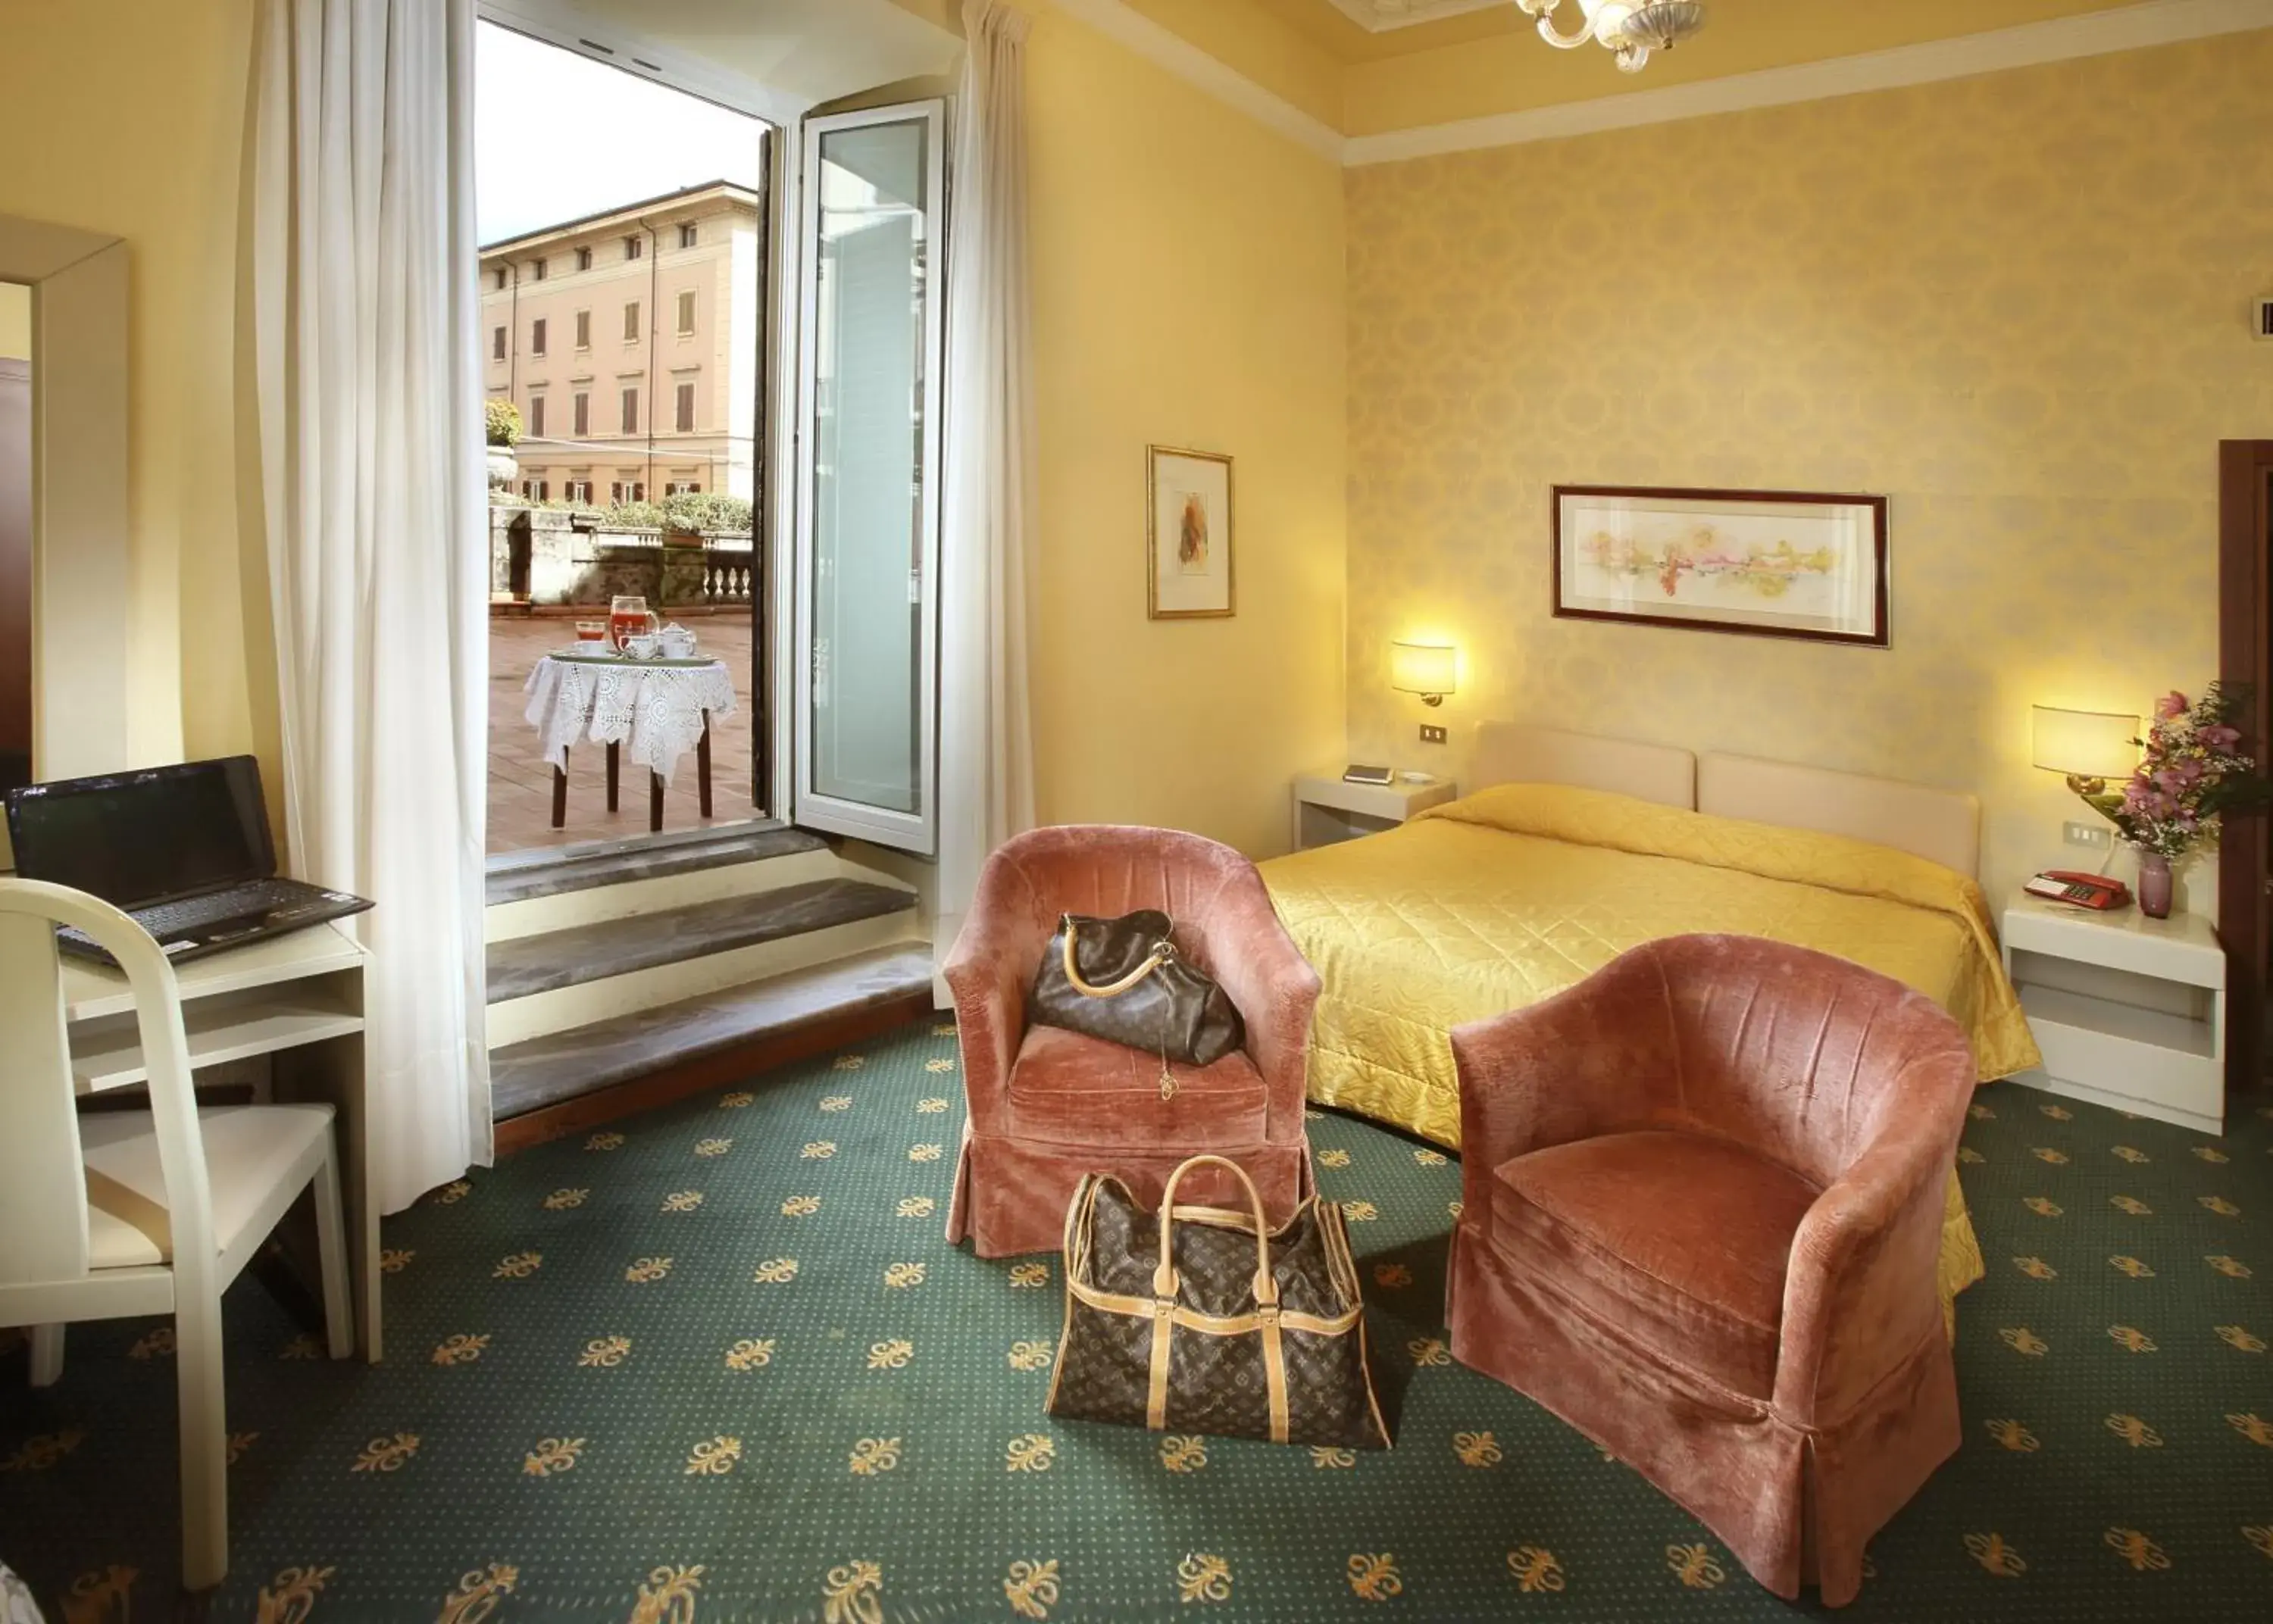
(720, 1365)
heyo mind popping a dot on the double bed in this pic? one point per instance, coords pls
(1573, 848)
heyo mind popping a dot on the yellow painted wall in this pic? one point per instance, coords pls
(15, 322)
(153, 158)
(1188, 270)
(2016, 304)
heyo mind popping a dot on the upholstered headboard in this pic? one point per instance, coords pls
(1943, 826)
(1510, 752)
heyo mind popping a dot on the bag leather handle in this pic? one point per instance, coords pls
(1162, 953)
(1164, 1272)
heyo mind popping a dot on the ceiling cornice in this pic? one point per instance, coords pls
(2093, 34)
(2065, 39)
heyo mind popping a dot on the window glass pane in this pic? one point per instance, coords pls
(631, 411)
(631, 322)
(687, 311)
(871, 267)
(583, 329)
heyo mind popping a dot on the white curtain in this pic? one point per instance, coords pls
(365, 316)
(986, 757)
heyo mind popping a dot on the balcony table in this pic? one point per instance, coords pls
(660, 709)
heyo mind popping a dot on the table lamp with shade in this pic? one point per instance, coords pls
(2091, 747)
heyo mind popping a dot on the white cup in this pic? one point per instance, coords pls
(641, 647)
(677, 641)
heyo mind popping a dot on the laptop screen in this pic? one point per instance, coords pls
(134, 838)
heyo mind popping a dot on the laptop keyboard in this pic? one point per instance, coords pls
(234, 903)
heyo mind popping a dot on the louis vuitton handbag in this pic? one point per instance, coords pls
(1201, 1319)
(1123, 980)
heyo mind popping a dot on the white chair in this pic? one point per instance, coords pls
(142, 1212)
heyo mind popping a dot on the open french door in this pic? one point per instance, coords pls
(865, 620)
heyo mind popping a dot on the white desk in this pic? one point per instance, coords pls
(297, 998)
(2130, 1011)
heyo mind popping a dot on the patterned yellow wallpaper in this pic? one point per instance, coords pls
(2016, 304)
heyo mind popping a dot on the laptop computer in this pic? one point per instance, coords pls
(184, 850)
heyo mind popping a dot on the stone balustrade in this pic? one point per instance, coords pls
(552, 555)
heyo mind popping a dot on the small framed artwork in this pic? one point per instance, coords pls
(1188, 521)
(1767, 563)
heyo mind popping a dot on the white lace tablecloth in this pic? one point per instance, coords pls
(654, 711)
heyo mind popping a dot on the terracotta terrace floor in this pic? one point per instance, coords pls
(521, 783)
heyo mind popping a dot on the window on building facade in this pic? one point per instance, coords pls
(686, 412)
(497, 279)
(631, 411)
(537, 336)
(683, 488)
(687, 311)
(580, 414)
(537, 415)
(583, 258)
(496, 343)
(632, 322)
(583, 329)
(578, 491)
(632, 248)
(628, 491)
(536, 269)
(687, 236)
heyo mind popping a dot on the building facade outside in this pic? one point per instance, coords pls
(629, 341)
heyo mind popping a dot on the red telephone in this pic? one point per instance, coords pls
(2061, 885)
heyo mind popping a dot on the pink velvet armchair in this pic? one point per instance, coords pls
(1047, 1105)
(1702, 1204)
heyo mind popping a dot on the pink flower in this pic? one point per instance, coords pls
(2220, 738)
(2171, 706)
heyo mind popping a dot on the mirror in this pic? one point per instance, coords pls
(15, 535)
(64, 684)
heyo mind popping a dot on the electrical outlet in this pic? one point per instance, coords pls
(2086, 834)
(1432, 734)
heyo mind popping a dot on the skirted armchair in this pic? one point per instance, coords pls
(1702, 1202)
(1047, 1105)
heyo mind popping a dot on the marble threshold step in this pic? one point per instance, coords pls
(611, 1063)
(516, 877)
(526, 965)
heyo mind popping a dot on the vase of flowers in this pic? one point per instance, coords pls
(2192, 773)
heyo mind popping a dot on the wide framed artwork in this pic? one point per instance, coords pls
(1765, 563)
(1187, 522)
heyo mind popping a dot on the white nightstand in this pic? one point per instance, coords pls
(1326, 810)
(2130, 1011)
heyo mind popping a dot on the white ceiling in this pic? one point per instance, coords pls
(1380, 16)
(772, 57)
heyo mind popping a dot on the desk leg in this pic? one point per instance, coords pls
(653, 803)
(614, 770)
(702, 766)
(560, 791)
(332, 1071)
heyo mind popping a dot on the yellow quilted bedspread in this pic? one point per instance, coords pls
(1504, 897)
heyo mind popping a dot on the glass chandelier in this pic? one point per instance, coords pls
(1631, 29)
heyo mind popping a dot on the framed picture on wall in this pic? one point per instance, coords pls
(1188, 524)
(1769, 563)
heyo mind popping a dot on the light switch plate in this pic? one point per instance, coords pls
(1432, 734)
(2094, 834)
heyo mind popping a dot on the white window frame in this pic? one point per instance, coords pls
(917, 831)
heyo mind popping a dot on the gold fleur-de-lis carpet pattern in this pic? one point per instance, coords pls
(695, 1367)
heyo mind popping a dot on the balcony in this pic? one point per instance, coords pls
(550, 568)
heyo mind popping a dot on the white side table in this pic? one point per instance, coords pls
(2130, 1011)
(1326, 810)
